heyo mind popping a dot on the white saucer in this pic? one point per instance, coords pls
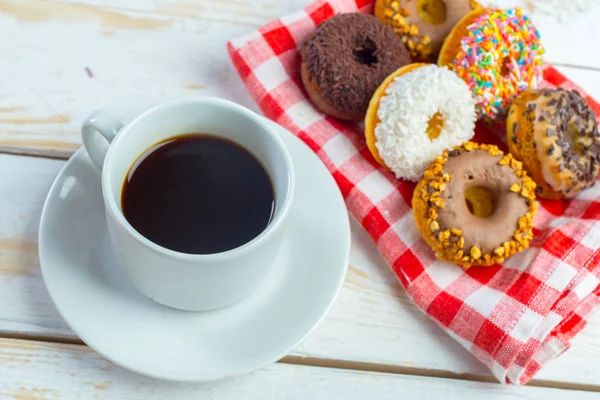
(108, 314)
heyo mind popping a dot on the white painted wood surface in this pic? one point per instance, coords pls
(33, 370)
(62, 59)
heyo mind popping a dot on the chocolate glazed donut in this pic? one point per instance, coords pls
(346, 59)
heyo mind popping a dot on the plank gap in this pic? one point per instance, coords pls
(431, 373)
(42, 338)
(51, 154)
(340, 364)
(567, 65)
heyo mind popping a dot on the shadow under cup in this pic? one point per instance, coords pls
(196, 281)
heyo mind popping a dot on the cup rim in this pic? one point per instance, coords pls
(274, 224)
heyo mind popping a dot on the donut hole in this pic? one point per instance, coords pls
(365, 53)
(480, 201)
(435, 125)
(432, 11)
(505, 64)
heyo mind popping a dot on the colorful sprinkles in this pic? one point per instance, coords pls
(500, 57)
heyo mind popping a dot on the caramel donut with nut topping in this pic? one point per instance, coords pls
(555, 133)
(423, 24)
(475, 206)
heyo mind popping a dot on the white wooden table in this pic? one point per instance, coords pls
(60, 59)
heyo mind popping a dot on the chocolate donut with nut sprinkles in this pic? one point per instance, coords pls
(555, 133)
(475, 206)
(346, 59)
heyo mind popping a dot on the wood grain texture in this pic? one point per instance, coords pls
(32, 370)
(372, 322)
(72, 57)
(67, 58)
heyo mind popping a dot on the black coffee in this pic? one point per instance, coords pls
(198, 194)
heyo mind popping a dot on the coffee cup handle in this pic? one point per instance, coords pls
(98, 131)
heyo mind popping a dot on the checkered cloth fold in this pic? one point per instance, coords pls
(513, 317)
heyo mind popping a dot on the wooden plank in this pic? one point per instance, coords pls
(74, 56)
(372, 323)
(26, 306)
(33, 370)
(108, 54)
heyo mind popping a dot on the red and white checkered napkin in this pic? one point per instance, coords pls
(513, 317)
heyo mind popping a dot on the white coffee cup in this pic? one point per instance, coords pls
(180, 280)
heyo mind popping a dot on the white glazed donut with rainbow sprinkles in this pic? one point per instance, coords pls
(498, 53)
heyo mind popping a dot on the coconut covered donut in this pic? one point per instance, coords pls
(418, 112)
(555, 134)
(498, 53)
(475, 206)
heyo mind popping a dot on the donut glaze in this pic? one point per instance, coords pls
(454, 231)
(345, 61)
(555, 133)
